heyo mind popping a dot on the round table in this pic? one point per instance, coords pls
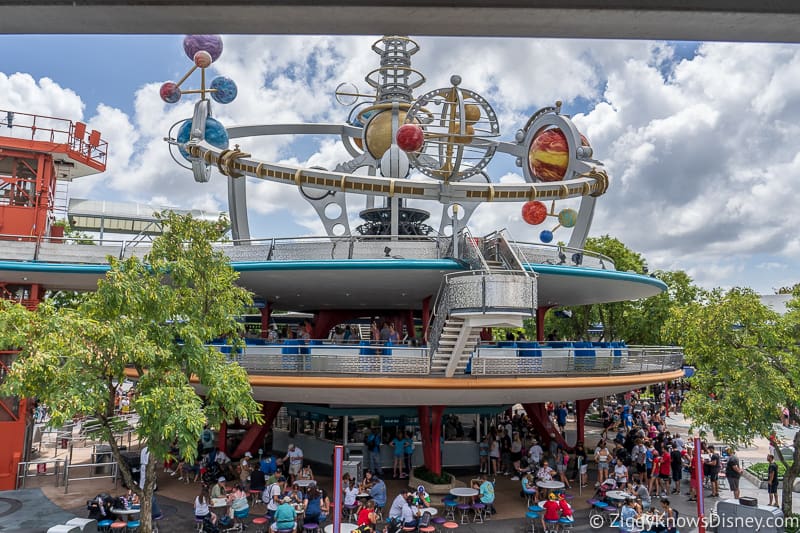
(550, 485)
(464, 492)
(124, 514)
(618, 495)
(364, 495)
(219, 502)
(430, 510)
(346, 527)
(304, 483)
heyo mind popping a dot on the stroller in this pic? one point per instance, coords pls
(100, 506)
(602, 488)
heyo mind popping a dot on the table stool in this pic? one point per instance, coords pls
(551, 526)
(530, 494)
(536, 508)
(198, 523)
(464, 508)
(311, 527)
(450, 509)
(103, 525)
(608, 511)
(351, 512)
(533, 520)
(437, 521)
(450, 525)
(566, 525)
(261, 524)
(478, 508)
(156, 520)
(119, 526)
(255, 497)
(133, 525)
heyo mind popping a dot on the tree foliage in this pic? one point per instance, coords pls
(747, 368)
(151, 318)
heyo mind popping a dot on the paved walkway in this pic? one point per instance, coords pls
(36, 509)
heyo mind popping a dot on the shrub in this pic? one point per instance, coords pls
(760, 469)
(427, 476)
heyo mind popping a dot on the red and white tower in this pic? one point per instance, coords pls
(36, 152)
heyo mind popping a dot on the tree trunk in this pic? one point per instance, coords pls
(146, 516)
(790, 475)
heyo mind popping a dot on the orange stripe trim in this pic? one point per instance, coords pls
(474, 383)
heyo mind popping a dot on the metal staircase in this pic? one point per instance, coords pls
(497, 291)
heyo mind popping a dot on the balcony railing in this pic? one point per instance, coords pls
(65, 250)
(488, 360)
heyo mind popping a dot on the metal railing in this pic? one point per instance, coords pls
(28, 248)
(38, 469)
(575, 361)
(488, 360)
(334, 359)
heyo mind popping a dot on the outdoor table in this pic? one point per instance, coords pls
(618, 495)
(430, 510)
(463, 492)
(648, 521)
(219, 502)
(364, 495)
(124, 514)
(550, 485)
(346, 527)
(305, 483)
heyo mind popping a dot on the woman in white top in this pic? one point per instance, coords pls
(602, 457)
(201, 506)
(494, 456)
(621, 474)
(350, 493)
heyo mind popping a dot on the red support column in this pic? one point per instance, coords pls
(266, 312)
(255, 434)
(436, 438)
(425, 431)
(222, 437)
(412, 333)
(581, 406)
(543, 425)
(540, 314)
(426, 317)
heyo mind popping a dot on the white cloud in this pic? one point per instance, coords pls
(701, 150)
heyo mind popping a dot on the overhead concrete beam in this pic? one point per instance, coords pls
(710, 20)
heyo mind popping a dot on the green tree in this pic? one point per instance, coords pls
(645, 319)
(150, 318)
(747, 368)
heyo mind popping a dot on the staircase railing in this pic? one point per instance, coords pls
(504, 249)
(470, 252)
(438, 319)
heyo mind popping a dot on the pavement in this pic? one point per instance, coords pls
(42, 505)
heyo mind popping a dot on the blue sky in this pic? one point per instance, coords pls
(699, 138)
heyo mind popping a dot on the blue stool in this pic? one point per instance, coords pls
(536, 508)
(351, 512)
(450, 509)
(103, 525)
(133, 526)
(566, 524)
(533, 519)
(551, 526)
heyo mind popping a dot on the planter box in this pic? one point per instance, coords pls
(415, 482)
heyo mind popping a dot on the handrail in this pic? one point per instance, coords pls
(488, 360)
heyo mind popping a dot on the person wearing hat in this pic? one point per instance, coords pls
(295, 457)
(552, 512)
(245, 468)
(285, 516)
(422, 498)
(219, 490)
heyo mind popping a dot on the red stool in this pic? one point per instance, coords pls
(258, 522)
(450, 525)
(119, 526)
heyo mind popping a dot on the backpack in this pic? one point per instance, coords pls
(424, 520)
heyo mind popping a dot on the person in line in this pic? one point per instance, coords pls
(398, 446)
(285, 517)
(733, 471)
(772, 481)
(602, 457)
(713, 471)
